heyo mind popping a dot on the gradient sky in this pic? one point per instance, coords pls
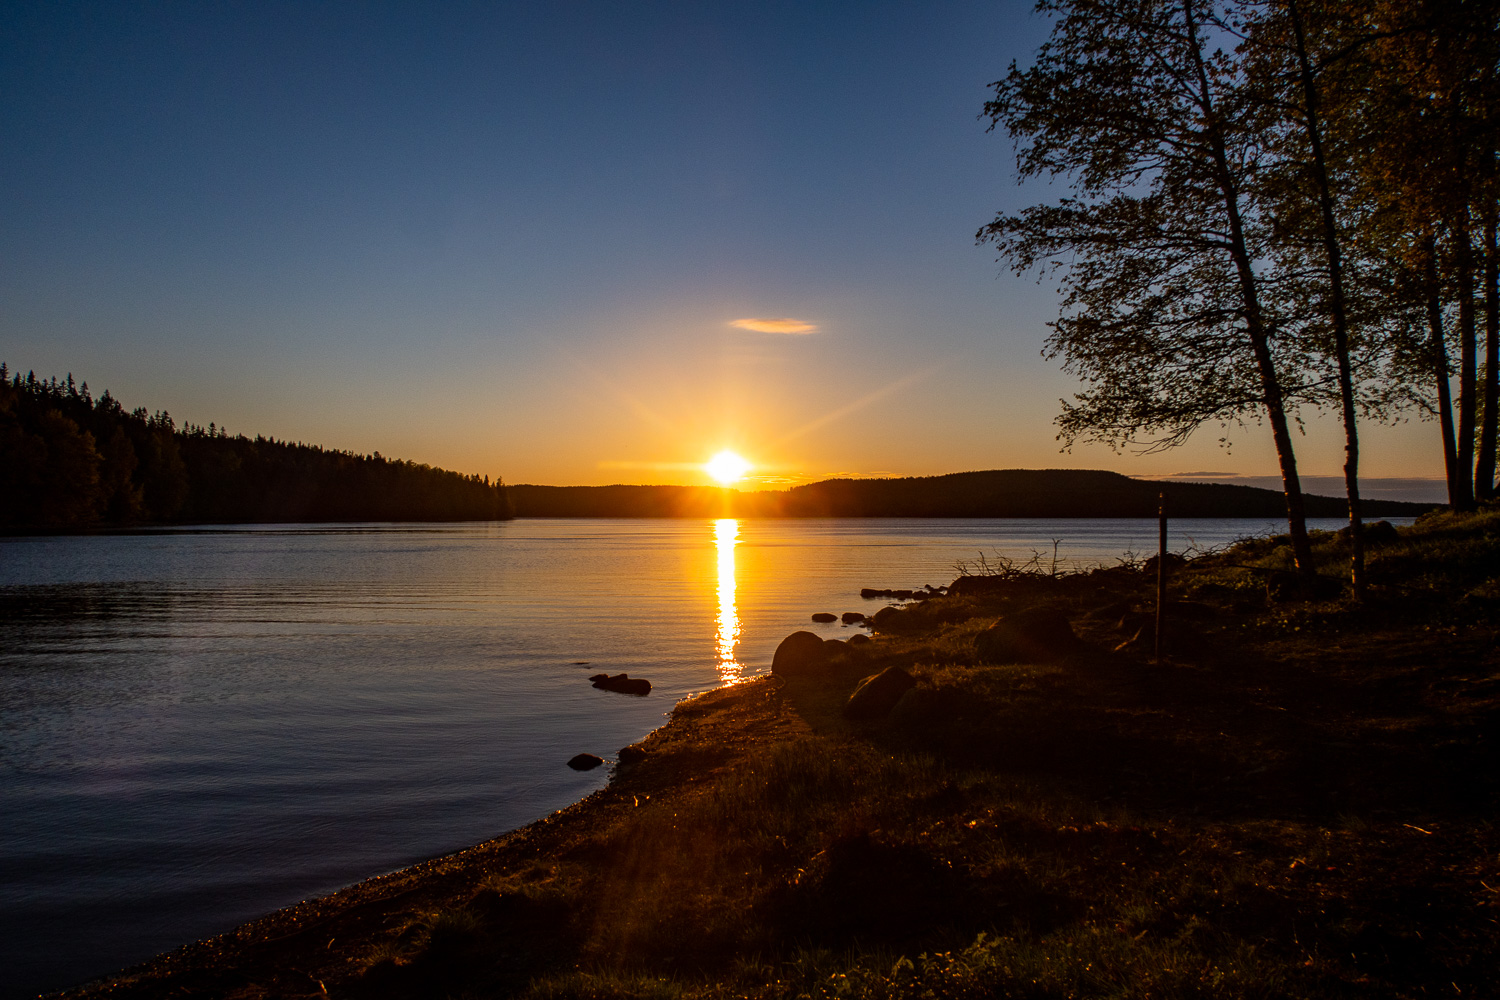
(514, 238)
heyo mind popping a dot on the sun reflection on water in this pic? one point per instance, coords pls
(726, 536)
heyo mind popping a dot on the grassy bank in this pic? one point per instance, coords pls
(1299, 801)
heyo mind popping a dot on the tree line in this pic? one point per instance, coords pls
(72, 461)
(1271, 206)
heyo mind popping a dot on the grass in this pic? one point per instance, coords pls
(1299, 802)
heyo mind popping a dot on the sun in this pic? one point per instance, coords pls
(727, 467)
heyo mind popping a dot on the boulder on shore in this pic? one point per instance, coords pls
(975, 586)
(1375, 533)
(1036, 635)
(799, 654)
(877, 695)
(622, 684)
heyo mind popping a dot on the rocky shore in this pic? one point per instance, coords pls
(1004, 793)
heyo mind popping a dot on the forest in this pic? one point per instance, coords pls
(1267, 209)
(72, 461)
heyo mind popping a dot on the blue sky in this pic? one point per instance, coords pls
(512, 238)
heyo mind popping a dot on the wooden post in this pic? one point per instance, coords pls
(1161, 572)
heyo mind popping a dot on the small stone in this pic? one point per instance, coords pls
(622, 684)
(823, 616)
(585, 762)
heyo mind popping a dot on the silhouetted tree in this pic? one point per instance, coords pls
(1297, 53)
(1164, 314)
(1417, 114)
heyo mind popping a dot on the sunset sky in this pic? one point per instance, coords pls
(568, 243)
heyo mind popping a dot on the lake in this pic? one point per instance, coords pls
(198, 726)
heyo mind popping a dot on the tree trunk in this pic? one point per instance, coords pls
(1484, 466)
(1337, 306)
(1255, 328)
(1439, 348)
(1467, 358)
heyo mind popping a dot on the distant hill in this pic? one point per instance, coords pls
(997, 493)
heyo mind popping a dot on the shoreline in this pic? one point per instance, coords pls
(1298, 799)
(115, 936)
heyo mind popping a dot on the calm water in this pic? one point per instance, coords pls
(200, 726)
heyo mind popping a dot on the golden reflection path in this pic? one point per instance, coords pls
(726, 536)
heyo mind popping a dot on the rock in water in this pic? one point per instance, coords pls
(585, 762)
(878, 694)
(823, 616)
(622, 684)
(1037, 635)
(799, 653)
(852, 617)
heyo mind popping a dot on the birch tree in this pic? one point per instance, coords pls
(1137, 106)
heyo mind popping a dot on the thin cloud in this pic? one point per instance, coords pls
(1200, 475)
(782, 324)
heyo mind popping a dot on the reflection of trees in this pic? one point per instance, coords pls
(72, 460)
(36, 612)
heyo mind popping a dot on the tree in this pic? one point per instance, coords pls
(1422, 120)
(1489, 428)
(1293, 78)
(1164, 314)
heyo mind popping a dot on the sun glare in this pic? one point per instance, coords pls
(727, 467)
